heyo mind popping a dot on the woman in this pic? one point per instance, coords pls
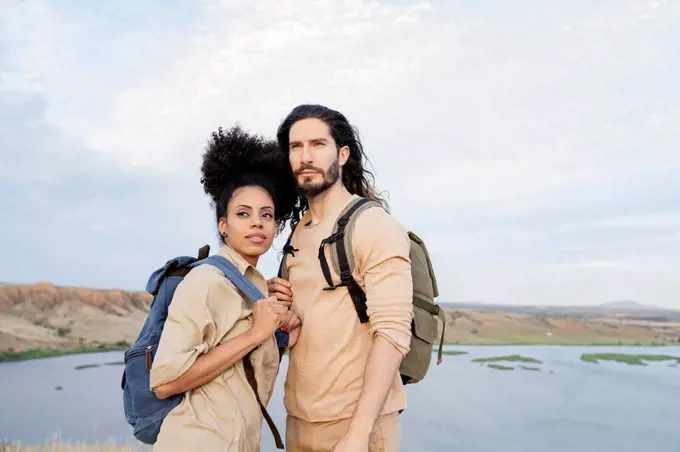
(211, 328)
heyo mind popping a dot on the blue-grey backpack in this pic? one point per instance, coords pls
(143, 410)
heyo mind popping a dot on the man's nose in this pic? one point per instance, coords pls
(306, 156)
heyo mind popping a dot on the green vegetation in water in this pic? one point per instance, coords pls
(89, 366)
(452, 352)
(39, 353)
(500, 367)
(635, 360)
(86, 366)
(559, 339)
(508, 358)
(530, 368)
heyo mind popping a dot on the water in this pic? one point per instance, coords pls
(463, 406)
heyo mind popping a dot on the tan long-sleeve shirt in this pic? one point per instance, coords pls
(326, 367)
(223, 414)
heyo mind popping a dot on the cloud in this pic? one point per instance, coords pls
(516, 141)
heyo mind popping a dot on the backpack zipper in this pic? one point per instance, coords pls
(149, 359)
(148, 351)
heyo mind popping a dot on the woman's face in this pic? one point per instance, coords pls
(249, 223)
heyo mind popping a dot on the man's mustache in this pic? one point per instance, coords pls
(308, 168)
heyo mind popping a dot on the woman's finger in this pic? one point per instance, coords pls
(276, 287)
(283, 297)
(279, 308)
(277, 280)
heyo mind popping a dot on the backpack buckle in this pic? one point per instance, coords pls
(345, 276)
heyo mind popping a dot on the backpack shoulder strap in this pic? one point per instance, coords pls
(287, 248)
(234, 275)
(345, 224)
(244, 285)
(342, 257)
(253, 294)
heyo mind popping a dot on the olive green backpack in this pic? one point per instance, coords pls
(424, 327)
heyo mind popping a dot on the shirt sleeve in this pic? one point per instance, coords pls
(382, 255)
(188, 328)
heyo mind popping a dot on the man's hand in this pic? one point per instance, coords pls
(352, 442)
(281, 289)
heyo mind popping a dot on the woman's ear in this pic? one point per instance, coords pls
(222, 226)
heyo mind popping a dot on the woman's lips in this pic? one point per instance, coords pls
(256, 238)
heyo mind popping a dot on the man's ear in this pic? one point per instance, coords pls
(343, 155)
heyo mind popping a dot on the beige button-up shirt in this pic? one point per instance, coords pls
(223, 414)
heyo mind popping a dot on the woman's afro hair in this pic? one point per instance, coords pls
(235, 158)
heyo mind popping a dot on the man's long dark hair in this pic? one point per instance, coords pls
(355, 177)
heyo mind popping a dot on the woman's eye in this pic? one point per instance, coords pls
(268, 215)
(240, 214)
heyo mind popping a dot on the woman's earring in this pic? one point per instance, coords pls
(224, 233)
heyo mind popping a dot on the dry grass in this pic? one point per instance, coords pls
(58, 446)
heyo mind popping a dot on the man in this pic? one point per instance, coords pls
(343, 391)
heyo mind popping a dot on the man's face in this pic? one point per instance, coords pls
(314, 156)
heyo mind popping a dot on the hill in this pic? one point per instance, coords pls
(58, 319)
(608, 323)
(626, 304)
(53, 317)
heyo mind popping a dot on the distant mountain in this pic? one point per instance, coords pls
(627, 304)
(626, 308)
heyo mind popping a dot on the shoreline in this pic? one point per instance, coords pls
(42, 353)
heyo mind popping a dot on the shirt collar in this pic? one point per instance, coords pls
(235, 258)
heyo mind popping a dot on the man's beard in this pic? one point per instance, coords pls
(311, 189)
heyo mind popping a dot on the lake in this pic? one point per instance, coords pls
(462, 406)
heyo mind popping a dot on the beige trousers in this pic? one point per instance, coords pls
(303, 436)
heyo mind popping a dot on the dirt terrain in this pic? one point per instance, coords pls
(54, 317)
(48, 316)
(467, 326)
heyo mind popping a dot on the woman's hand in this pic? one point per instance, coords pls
(291, 324)
(268, 314)
(281, 289)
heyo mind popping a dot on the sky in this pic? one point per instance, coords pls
(530, 144)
